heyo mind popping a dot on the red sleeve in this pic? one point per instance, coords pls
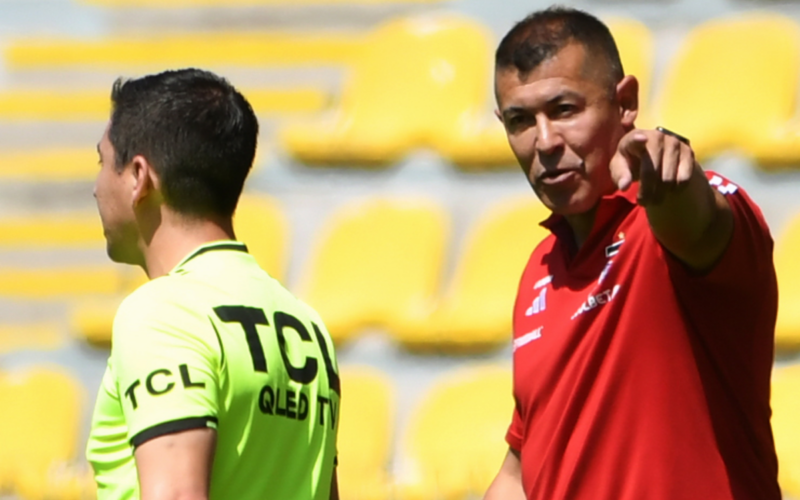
(731, 312)
(733, 306)
(745, 271)
(514, 434)
(748, 258)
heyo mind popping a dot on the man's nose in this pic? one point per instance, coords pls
(548, 139)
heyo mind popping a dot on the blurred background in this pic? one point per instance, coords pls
(384, 193)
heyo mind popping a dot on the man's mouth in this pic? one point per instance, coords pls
(558, 176)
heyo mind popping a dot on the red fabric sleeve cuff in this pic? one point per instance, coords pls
(513, 440)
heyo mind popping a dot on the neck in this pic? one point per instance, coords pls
(176, 237)
(581, 225)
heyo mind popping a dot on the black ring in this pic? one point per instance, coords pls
(673, 134)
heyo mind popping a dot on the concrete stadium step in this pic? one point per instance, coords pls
(24, 137)
(300, 16)
(94, 105)
(31, 198)
(37, 135)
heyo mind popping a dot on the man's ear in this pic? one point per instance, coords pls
(146, 184)
(628, 99)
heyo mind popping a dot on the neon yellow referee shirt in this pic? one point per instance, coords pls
(218, 343)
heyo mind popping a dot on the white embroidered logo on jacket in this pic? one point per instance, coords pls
(538, 305)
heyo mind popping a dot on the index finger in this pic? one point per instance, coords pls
(624, 165)
(633, 145)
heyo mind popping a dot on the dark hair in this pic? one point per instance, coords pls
(542, 34)
(196, 130)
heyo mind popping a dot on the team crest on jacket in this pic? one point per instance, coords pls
(613, 249)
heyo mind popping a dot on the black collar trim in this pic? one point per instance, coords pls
(239, 247)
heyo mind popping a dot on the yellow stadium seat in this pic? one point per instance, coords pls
(475, 314)
(377, 263)
(62, 282)
(242, 3)
(479, 142)
(435, 78)
(87, 105)
(184, 50)
(50, 165)
(454, 443)
(91, 320)
(786, 427)
(63, 482)
(42, 336)
(635, 45)
(787, 267)
(365, 434)
(732, 84)
(92, 317)
(39, 425)
(52, 231)
(261, 225)
(55, 105)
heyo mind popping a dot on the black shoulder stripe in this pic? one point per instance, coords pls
(171, 427)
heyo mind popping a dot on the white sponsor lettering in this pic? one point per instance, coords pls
(538, 305)
(605, 272)
(543, 282)
(528, 338)
(596, 300)
(728, 188)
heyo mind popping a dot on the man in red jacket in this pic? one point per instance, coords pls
(644, 371)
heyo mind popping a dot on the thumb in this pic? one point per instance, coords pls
(624, 165)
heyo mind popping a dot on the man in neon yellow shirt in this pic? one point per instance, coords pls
(220, 383)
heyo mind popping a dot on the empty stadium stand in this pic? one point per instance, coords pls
(92, 319)
(40, 336)
(454, 442)
(239, 3)
(63, 483)
(365, 434)
(41, 433)
(49, 165)
(733, 84)
(89, 105)
(474, 314)
(787, 266)
(52, 231)
(377, 263)
(260, 223)
(66, 281)
(637, 52)
(414, 267)
(785, 418)
(181, 50)
(415, 82)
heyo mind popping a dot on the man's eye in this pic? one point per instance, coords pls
(517, 120)
(565, 109)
